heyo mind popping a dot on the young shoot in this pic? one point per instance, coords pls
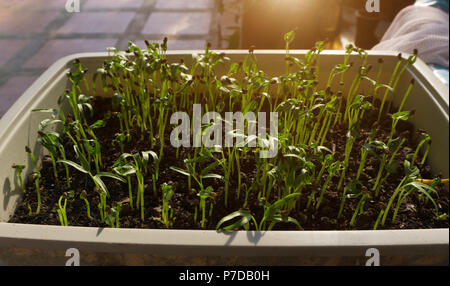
(100, 186)
(36, 178)
(363, 194)
(167, 193)
(18, 171)
(332, 169)
(407, 186)
(83, 196)
(425, 138)
(112, 216)
(137, 166)
(62, 213)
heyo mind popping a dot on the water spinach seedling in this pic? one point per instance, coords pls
(18, 171)
(83, 196)
(36, 178)
(138, 166)
(112, 215)
(166, 213)
(62, 208)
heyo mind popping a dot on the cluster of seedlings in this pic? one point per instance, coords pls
(342, 155)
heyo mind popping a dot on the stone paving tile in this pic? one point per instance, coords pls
(9, 48)
(97, 23)
(111, 4)
(12, 90)
(58, 48)
(176, 23)
(25, 22)
(21, 5)
(184, 4)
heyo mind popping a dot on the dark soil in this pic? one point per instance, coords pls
(413, 214)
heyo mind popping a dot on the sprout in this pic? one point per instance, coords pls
(18, 170)
(112, 217)
(36, 178)
(83, 196)
(100, 186)
(424, 139)
(407, 186)
(137, 166)
(62, 213)
(332, 169)
(244, 222)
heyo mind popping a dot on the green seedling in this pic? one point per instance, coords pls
(297, 172)
(363, 194)
(245, 218)
(62, 208)
(204, 194)
(167, 193)
(204, 173)
(51, 142)
(390, 165)
(166, 212)
(18, 171)
(36, 178)
(119, 139)
(83, 196)
(425, 138)
(86, 169)
(100, 186)
(332, 169)
(396, 117)
(276, 212)
(273, 214)
(137, 166)
(112, 217)
(368, 148)
(405, 188)
(352, 187)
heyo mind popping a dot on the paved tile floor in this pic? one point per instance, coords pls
(35, 33)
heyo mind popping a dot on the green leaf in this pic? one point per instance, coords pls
(423, 188)
(402, 115)
(151, 153)
(125, 170)
(279, 218)
(211, 167)
(245, 215)
(84, 162)
(98, 124)
(289, 37)
(282, 202)
(212, 176)
(73, 164)
(181, 171)
(44, 124)
(412, 172)
(53, 111)
(98, 180)
(110, 175)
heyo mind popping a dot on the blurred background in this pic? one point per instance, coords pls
(36, 33)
